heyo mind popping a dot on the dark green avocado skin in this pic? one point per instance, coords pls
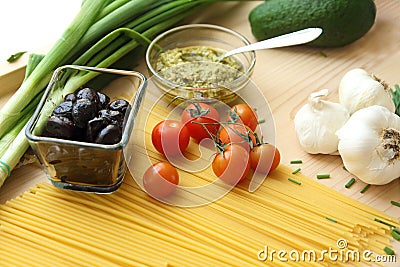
(342, 21)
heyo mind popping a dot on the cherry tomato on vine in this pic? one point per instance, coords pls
(245, 114)
(237, 133)
(196, 116)
(170, 137)
(264, 158)
(231, 165)
(160, 179)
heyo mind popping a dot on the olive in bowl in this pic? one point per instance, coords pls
(79, 135)
(88, 116)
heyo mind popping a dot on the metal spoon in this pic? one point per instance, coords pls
(293, 38)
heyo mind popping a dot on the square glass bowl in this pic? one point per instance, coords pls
(200, 35)
(79, 165)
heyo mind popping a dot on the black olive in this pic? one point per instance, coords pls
(87, 93)
(70, 97)
(80, 134)
(88, 116)
(112, 116)
(109, 135)
(93, 128)
(63, 110)
(103, 100)
(60, 127)
(83, 110)
(120, 105)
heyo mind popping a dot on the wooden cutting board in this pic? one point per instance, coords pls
(286, 77)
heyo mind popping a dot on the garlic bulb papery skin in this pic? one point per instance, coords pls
(358, 89)
(369, 144)
(316, 124)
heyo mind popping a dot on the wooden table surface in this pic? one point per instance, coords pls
(286, 77)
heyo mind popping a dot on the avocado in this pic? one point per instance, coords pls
(342, 21)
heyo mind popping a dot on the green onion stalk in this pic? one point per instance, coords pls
(101, 35)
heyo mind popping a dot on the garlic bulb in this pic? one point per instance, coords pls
(316, 124)
(358, 89)
(369, 144)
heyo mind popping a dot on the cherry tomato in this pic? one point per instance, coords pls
(232, 165)
(160, 179)
(245, 114)
(170, 137)
(201, 113)
(237, 134)
(264, 158)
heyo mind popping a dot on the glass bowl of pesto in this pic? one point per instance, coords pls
(187, 62)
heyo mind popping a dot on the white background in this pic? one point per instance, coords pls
(26, 25)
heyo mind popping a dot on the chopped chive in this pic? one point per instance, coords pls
(294, 181)
(330, 219)
(323, 176)
(261, 121)
(385, 223)
(15, 56)
(388, 251)
(344, 168)
(322, 53)
(297, 161)
(350, 183)
(395, 234)
(365, 188)
(395, 203)
(396, 230)
(296, 171)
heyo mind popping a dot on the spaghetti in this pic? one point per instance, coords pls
(52, 227)
(48, 226)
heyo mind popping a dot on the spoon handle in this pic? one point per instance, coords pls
(293, 38)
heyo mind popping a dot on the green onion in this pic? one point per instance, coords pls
(33, 61)
(365, 188)
(389, 251)
(350, 183)
(297, 161)
(296, 171)
(330, 219)
(323, 176)
(395, 234)
(395, 203)
(102, 34)
(344, 168)
(322, 53)
(38, 79)
(294, 181)
(5, 168)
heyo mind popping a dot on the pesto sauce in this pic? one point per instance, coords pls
(198, 66)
